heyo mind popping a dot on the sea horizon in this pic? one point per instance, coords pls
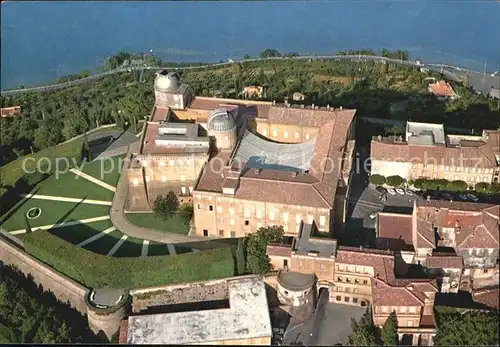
(43, 41)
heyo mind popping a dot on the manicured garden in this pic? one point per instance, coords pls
(174, 224)
(95, 270)
(107, 170)
(53, 212)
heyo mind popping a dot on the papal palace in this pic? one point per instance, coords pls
(243, 164)
(248, 164)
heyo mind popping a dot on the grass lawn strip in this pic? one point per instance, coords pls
(81, 232)
(157, 248)
(106, 165)
(151, 221)
(96, 271)
(130, 248)
(52, 212)
(104, 244)
(70, 185)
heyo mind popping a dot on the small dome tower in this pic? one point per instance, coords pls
(222, 127)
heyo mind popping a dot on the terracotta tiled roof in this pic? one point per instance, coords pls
(482, 155)
(280, 192)
(442, 88)
(475, 225)
(390, 151)
(123, 332)
(381, 261)
(278, 250)
(10, 111)
(487, 296)
(211, 178)
(395, 230)
(443, 261)
(317, 187)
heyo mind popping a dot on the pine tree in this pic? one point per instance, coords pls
(240, 257)
(388, 334)
(27, 222)
(86, 147)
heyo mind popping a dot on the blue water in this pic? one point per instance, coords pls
(42, 41)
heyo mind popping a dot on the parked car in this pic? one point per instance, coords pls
(447, 196)
(381, 190)
(391, 191)
(464, 197)
(383, 198)
(409, 192)
(473, 197)
(373, 215)
(400, 191)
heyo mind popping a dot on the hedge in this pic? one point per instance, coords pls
(394, 181)
(95, 270)
(377, 179)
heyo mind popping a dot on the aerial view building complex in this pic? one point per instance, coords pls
(427, 152)
(244, 164)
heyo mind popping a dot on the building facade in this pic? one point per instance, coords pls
(457, 242)
(362, 277)
(427, 152)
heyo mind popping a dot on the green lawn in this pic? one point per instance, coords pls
(151, 221)
(107, 170)
(105, 243)
(157, 248)
(70, 185)
(130, 248)
(80, 232)
(52, 212)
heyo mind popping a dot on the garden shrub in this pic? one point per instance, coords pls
(377, 179)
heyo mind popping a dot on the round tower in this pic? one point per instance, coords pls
(166, 83)
(222, 127)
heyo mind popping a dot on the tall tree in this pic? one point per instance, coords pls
(257, 259)
(27, 224)
(86, 147)
(388, 334)
(240, 257)
(363, 333)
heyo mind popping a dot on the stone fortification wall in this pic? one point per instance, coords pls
(64, 288)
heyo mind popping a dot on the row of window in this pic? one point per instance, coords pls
(348, 299)
(397, 309)
(271, 215)
(352, 268)
(467, 169)
(349, 280)
(172, 162)
(231, 201)
(274, 133)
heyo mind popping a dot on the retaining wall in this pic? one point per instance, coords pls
(64, 288)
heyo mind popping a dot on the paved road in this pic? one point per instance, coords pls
(482, 82)
(433, 66)
(120, 221)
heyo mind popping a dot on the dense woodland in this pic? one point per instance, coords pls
(454, 328)
(29, 315)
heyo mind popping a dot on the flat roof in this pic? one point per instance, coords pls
(304, 244)
(248, 317)
(425, 133)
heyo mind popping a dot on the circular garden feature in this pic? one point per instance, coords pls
(34, 212)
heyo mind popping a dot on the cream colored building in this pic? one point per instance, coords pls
(427, 152)
(362, 277)
(284, 169)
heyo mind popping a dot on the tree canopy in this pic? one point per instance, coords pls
(166, 206)
(257, 260)
(29, 315)
(388, 333)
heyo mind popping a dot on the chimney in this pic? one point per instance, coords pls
(428, 198)
(274, 102)
(302, 106)
(294, 174)
(328, 107)
(340, 108)
(312, 106)
(256, 171)
(286, 102)
(379, 137)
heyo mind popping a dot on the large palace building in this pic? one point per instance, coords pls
(243, 164)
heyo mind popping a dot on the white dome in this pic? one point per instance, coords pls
(220, 120)
(167, 81)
